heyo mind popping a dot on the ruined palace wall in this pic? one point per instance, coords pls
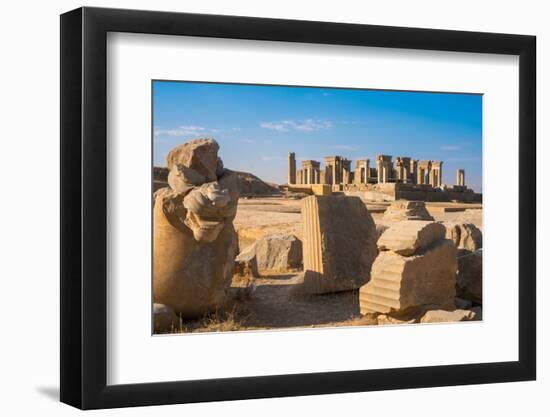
(412, 192)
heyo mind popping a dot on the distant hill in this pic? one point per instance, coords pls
(249, 184)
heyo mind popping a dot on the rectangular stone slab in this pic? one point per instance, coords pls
(339, 243)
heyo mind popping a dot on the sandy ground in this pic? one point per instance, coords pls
(276, 301)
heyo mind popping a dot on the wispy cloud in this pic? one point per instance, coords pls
(248, 141)
(184, 131)
(308, 125)
(449, 148)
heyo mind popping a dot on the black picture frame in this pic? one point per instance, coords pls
(84, 207)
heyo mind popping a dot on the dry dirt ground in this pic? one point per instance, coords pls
(275, 299)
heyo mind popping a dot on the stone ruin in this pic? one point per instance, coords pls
(405, 178)
(407, 210)
(337, 171)
(270, 253)
(194, 242)
(408, 264)
(468, 240)
(339, 243)
(415, 268)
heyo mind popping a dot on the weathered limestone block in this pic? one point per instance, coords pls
(399, 283)
(464, 235)
(407, 210)
(246, 264)
(278, 252)
(164, 319)
(339, 240)
(444, 316)
(199, 155)
(194, 239)
(183, 179)
(406, 237)
(470, 276)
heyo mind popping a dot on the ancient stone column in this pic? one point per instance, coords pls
(413, 171)
(460, 178)
(384, 164)
(361, 171)
(346, 171)
(291, 168)
(431, 177)
(436, 173)
(405, 165)
(424, 170)
(339, 243)
(328, 175)
(398, 169)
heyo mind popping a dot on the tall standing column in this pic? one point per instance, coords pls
(420, 179)
(460, 178)
(413, 171)
(291, 168)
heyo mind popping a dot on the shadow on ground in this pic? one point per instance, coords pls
(278, 303)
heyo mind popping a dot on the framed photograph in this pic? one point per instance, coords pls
(257, 208)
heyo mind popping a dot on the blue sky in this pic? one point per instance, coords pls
(256, 126)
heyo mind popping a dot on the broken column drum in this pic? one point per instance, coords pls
(339, 243)
(416, 267)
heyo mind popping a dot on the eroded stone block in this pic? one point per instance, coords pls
(407, 210)
(339, 243)
(402, 282)
(278, 252)
(464, 235)
(406, 237)
(444, 316)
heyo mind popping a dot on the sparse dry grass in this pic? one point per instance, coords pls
(220, 321)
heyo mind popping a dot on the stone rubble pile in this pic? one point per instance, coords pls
(416, 267)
